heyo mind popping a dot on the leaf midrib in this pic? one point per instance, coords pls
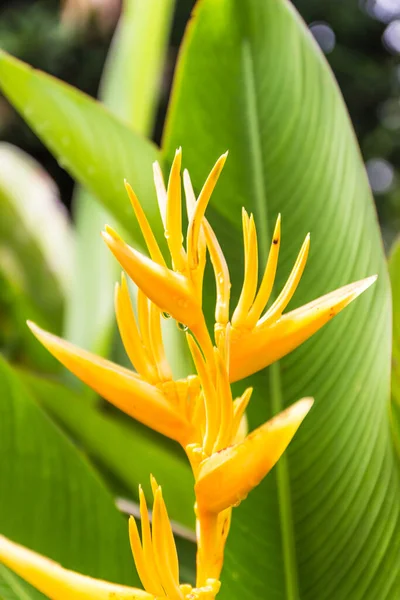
(275, 388)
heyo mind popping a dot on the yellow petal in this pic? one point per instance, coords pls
(250, 271)
(148, 553)
(211, 402)
(139, 557)
(197, 273)
(123, 388)
(225, 402)
(221, 274)
(200, 208)
(58, 583)
(157, 345)
(268, 279)
(264, 345)
(130, 335)
(173, 229)
(146, 230)
(171, 292)
(228, 476)
(164, 549)
(161, 192)
(239, 408)
(290, 286)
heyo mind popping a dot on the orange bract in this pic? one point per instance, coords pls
(199, 411)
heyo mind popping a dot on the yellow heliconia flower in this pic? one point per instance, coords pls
(221, 482)
(227, 465)
(199, 411)
(155, 558)
(257, 339)
(177, 291)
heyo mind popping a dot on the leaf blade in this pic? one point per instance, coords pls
(49, 476)
(271, 100)
(99, 150)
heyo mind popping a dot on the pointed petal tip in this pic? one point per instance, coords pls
(355, 289)
(37, 331)
(301, 408)
(129, 189)
(31, 324)
(153, 482)
(222, 159)
(110, 231)
(368, 281)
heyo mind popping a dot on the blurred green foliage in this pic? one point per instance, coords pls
(366, 70)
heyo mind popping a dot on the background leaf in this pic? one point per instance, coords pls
(131, 452)
(95, 147)
(325, 523)
(35, 229)
(51, 499)
(13, 587)
(90, 311)
(35, 251)
(394, 270)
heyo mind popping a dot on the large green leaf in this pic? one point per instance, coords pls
(51, 498)
(131, 453)
(34, 232)
(325, 524)
(35, 252)
(95, 147)
(142, 25)
(90, 311)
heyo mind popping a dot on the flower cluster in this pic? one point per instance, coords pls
(197, 411)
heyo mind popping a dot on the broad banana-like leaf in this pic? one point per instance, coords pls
(35, 254)
(35, 231)
(52, 500)
(326, 522)
(94, 146)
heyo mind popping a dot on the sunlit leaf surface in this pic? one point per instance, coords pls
(325, 524)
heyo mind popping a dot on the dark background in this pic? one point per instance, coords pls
(361, 39)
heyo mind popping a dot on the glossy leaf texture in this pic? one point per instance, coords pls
(51, 498)
(325, 524)
(94, 146)
(90, 427)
